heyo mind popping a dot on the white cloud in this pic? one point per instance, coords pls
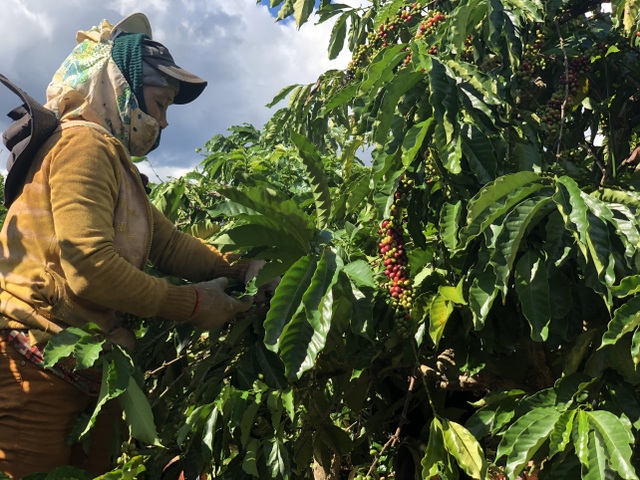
(236, 45)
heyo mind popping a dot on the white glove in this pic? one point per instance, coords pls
(214, 307)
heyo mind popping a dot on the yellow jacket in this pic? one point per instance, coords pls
(78, 235)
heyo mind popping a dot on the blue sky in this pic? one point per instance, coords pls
(236, 45)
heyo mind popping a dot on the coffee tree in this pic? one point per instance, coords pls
(463, 305)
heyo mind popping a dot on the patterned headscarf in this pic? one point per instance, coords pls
(90, 86)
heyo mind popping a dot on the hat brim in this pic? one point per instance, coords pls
(191, 85)
(134, 23)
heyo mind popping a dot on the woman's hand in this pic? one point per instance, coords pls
(214, 307)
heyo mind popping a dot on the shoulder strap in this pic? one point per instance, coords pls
(32, 125)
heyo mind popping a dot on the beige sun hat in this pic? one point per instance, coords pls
(134, 23)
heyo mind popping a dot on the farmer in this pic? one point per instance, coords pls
(78, 235)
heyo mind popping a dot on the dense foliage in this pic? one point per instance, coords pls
(465, 305)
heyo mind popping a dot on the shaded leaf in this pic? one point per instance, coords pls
(338, 35)
(287, 299)
(249, 463)
(412, 142)
(282, 95)
(336, 439)
(516, 224)
(532, 286)
(360, 273)
(496, 190)
(304, 337)
(496, 410)
(137, 412)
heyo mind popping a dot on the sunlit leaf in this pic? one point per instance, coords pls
(581, 438)
(561, 433)
(523, 439)
(503, 197)
(572, 206)
(209, 430)
(449, 220)
(435, 457)
(533, 9)
(616, 437)
(276, 456)
(628, 286)
(302, 9)
(61, 346)
(597, 460)
(281, 95)
(317, 179)
(439, 312)
(464, 447)
(625, 319)
(270, 203)
(286, 9)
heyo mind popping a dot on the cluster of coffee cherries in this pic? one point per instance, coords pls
(395, 260)
(430, 23)
(408, 12)
(387, 34)
(467, 53)
(361, 476)
(551, 113)
(533, 61)
(428, 26)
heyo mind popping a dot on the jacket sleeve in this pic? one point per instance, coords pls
(83, 182)
(182, 255)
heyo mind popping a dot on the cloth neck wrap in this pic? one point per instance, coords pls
(127, 54)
